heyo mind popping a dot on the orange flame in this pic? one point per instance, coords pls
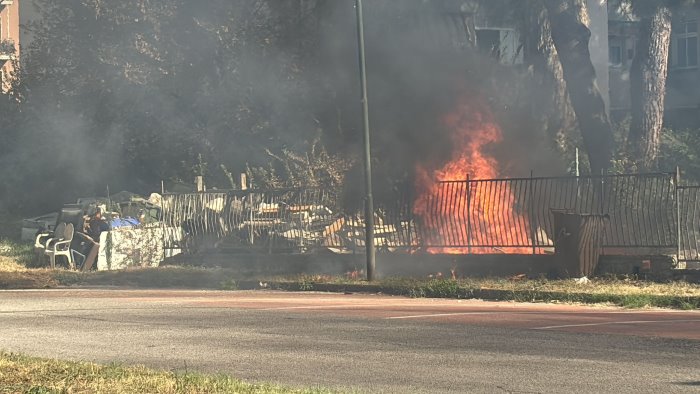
(461, 214)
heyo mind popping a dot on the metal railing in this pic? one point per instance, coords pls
(647, 211)
(274, 219)
(688, 224)
(517, 213)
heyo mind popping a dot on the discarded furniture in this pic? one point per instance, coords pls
(61, 247)
(42, 239)
(41, 224)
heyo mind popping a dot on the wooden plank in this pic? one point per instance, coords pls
(334, 227)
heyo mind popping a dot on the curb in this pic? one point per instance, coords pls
(444, 289)
(664, 301)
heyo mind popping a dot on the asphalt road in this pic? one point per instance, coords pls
(365, 342)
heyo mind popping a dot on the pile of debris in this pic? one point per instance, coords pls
(100, 233)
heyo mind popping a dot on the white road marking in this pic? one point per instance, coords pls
(348, 306)
(616, 322)
(448, 314)
(542, 312)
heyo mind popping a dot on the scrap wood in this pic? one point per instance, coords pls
(334, 227)
(299, 208)
(384, 229)
(261, 222)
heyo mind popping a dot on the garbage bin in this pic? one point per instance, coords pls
(578, 242)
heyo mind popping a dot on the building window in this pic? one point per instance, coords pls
(615, 53)
(685, 45)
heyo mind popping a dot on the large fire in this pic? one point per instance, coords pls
(460, 217)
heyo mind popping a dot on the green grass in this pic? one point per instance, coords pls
(627, 292)
(624, 292)
(22, 374)
(15, 256)
(163, 277)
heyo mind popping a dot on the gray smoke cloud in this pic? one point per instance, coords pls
(185, 81)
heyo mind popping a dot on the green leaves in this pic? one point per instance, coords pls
(131, 93)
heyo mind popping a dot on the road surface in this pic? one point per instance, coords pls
(370, 343)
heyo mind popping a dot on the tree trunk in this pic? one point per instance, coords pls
(648, 87)
(571, 36)
(553, 106)
(468, 11)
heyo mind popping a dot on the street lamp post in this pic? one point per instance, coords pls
(369, 201)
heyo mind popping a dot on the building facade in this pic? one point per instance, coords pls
(9, 40)
(683, 84)
(682, 105)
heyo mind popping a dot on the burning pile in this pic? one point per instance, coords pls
(454, 212)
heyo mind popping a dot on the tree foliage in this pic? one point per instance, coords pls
(130, 93)
(127, 94)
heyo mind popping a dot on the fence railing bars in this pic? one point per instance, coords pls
(650, 211)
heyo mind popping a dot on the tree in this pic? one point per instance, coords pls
(648, 79)
(571, 37)
(557, 115)
(131, 94)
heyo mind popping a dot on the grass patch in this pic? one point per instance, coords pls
(28, 279)
(14, 256)
(621, 292)
(22, 374)
(626, 292)
(163, 277)
(17, 261)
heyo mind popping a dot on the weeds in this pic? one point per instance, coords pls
(629, 292)
(229, 284)
(306, 284)
(23, 374)
(15, 256)
(439, 288)
(625, 293)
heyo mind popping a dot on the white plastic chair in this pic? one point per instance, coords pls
(61, 247)
(42, 239)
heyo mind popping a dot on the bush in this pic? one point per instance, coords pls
(681, 148)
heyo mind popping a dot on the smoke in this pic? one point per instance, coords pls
(128, 96)
(419, 66)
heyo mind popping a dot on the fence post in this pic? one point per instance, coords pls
(301, 221)
(409, 214)
(678, 215)
(533, 235)
(162, 216)
(602, 191)
(199, 183)
(251, 234)
(469, 216)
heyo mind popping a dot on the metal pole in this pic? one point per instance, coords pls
(533, 234)
(410, 216)
(109, 201)
(602, 191)
(162, 215)
(678, 215)
(469, 216)
(578, 177)
(369, 203)
(602, 207)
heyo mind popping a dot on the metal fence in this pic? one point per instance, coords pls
(475, 216)
(688, 224)
(517, 213)
(272, 219)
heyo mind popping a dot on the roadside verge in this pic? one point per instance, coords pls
(620, 292)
